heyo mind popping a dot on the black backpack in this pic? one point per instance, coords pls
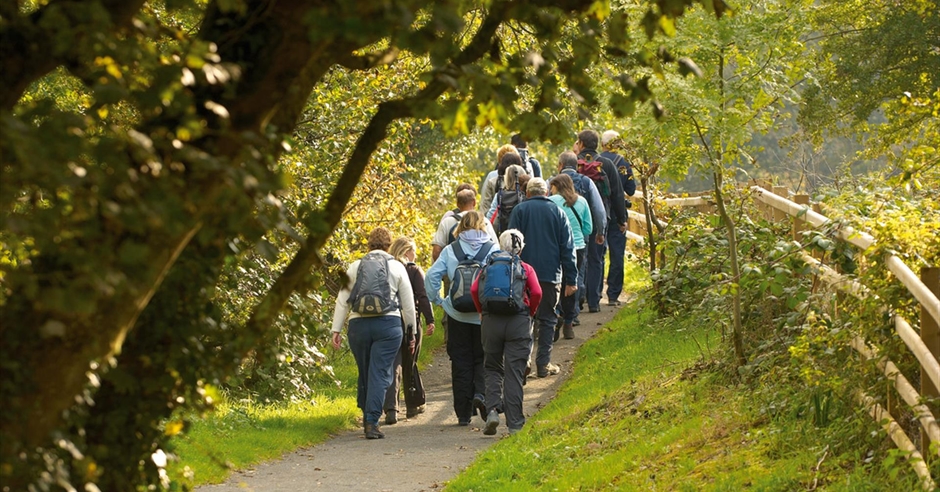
(506, 200)
(468, 267)
(450, 233)
(371, 293)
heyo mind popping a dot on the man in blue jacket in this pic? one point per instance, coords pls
(551, 255)
(616, 233)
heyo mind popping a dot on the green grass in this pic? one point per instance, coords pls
(241, 434)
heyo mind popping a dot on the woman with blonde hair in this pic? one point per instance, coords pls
(579, 215)
(459, 261)
(493, 181)
(404, 250)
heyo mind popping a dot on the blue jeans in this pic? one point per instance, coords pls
(594, 273)
(374, 342)
(617, 241)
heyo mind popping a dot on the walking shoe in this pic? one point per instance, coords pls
(576, 322)
(614, 302)
(463, 423)
(569, 332)
(479, 405)
(513, 430)
(594, 309)
(413, 412)
(391, 417)
(492, 422)
(548, 370)
(373, 432)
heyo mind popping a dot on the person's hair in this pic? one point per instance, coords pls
(380, 238)
(505, 149)
(517, 141)
(508, 159)
(465, 186)
(513, 173)
(536, 187)
(472, 220)
(564, 186)
(568, 159)
(524, 181)
(512, 241)
(610, 139)
(588, 139)
(401, 246)
(466, 198)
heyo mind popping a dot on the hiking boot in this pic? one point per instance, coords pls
(373, 432)
(513, 430)
(594, 309)
(576, 322)
(391, 417)
(548, 370)
(569, 332)
(492, 422)
(479, 405)
(413, 412)
(614, 302)
(463, 423)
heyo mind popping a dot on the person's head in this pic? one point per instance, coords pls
(465, 186)
(517, 141)
(564, 186)
(610, 140)
(513, 173)
(567, 159)
(380, 238)
(403, 249)
(508, 159)
(511, 241)
(587, 140)
(536, 187)
(472, 220)
(505, 149)
(466, 200)
(524, 181)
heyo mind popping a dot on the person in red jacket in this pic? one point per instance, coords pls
(507, 343)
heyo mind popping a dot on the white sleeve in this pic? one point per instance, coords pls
(406, 297)
(341, 310)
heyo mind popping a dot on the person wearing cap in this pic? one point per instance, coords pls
(544, 224)
(617, 234)
(507, 343)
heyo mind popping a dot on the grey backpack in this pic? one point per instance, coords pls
(371, 293)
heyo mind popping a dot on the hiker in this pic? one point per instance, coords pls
(611, 192)
(532, 166)
(494, 179)
(617, 234)
(511, 194)
(507, 293)
(551, 254)
(568, 165)
(460, 261)
(466, 201)
(377, 299)
(579, 216)
(404, 249)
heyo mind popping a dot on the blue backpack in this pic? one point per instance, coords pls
(502, 284)
(468, 267)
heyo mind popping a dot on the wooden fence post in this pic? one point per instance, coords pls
(798, 223)
(930, 334)
(782, 192)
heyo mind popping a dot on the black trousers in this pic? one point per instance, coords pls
(465, 349)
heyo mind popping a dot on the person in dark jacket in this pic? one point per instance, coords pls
(542, 223)
(406, 362)
(616, 234)
(586, 148)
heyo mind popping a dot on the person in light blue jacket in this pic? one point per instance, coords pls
(579, 215)
(464, 344)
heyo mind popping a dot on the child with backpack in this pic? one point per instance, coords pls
(460, 262)
(507, 293)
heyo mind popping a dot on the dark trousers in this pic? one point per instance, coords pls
(406, 374)
(465, 348)
(374, 341)
(507, 342)
(617, 244)
(545, 323)
(569, 304)
(594, 273)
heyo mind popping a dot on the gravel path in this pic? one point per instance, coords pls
(418, 454)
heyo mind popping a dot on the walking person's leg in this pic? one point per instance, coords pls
(386, 343)
(517, 341)
(460, 350)
(360, 344)
(546, 327)
(411, 379)
(492, 334)
(391, 394)
(617, 244)
(479, 380)
(594, 274)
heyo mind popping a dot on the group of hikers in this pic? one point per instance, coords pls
(494, 287)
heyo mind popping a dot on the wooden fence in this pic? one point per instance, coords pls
(775, 203)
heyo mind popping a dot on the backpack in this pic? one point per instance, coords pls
(468, 267)
(594, 169)
(371, 293)
(506, 200)
(450, 233)
(502, 284)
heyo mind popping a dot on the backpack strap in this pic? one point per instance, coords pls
(577, 216)
(481, 254)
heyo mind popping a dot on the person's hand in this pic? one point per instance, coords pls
(411, 343)
(623, 227)
(570, 290)
(430, 329)
(337, 340)
(599, 239)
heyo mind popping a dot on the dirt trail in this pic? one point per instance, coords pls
(418, 454)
